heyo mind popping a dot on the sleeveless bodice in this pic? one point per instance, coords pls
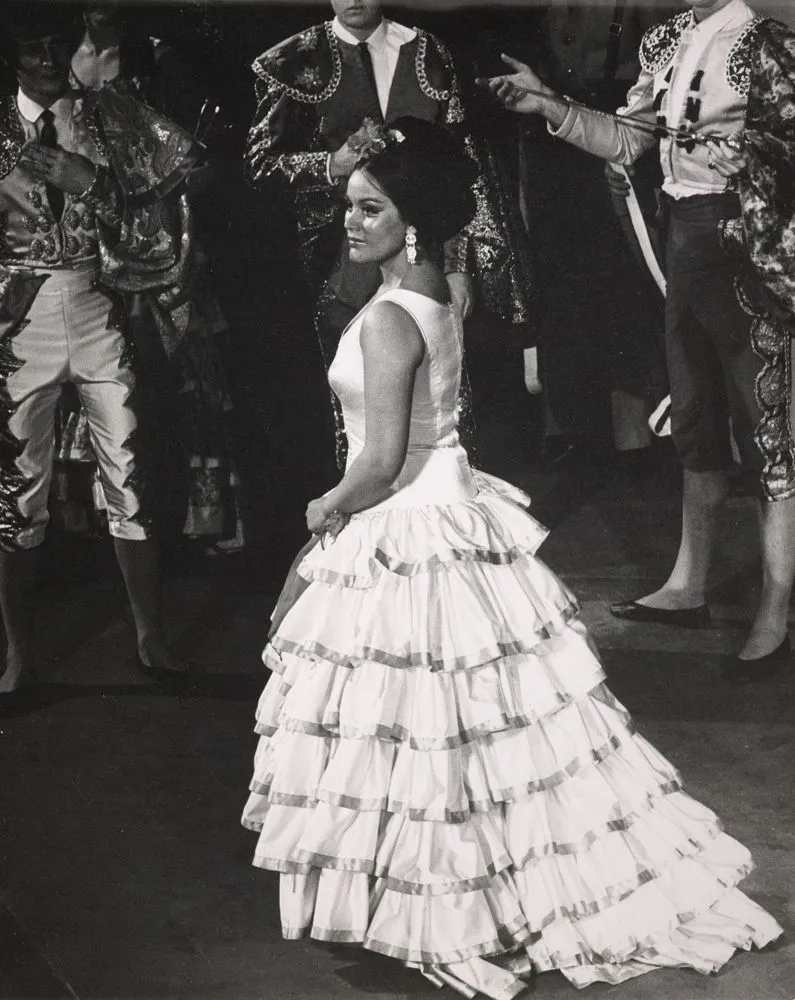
(436, 470)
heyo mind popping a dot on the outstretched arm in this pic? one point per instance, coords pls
(393, 350)
(602, 134)
(523, 91)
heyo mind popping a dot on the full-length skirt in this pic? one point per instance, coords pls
(442, 775)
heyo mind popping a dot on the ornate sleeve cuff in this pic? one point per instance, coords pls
(314, 166)
(103, 195)
(299, 168)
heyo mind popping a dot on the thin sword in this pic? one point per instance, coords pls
(640, 124)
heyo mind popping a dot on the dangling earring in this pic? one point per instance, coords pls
(411, 244)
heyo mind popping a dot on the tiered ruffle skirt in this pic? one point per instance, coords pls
(443, 777)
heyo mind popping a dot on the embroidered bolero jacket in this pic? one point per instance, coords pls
(301, 117)
(30, 236)
(127, 222)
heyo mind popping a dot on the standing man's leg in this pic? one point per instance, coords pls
(712, 368)
(700, 431)
(105, 386)
(33, 386)
(26, 521)
(777, 533)
(17, 577)
(703, 493)
(113, 428)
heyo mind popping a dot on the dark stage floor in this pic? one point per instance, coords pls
(125, 873)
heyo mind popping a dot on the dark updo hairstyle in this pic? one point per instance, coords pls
(425, 171)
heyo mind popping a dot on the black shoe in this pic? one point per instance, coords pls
(763, 667)
(683, 617)
(176, 679)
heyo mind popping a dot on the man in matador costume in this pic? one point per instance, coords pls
(85, 224)
(320, 95)
(717, 89)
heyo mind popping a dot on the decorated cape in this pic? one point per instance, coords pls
(767, 288)
(767, 189)
(150, 157)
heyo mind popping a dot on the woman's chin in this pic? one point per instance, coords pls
(357, 253)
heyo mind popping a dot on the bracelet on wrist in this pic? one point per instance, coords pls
(335, 520)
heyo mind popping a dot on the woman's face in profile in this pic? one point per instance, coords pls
(376, 233)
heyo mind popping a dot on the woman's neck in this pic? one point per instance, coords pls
(425, 277)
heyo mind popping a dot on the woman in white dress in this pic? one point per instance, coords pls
(442, 775)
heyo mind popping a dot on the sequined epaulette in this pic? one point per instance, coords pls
(307, 66)
(738, 61)
(12, 136)
(659, 44)
(433, 58)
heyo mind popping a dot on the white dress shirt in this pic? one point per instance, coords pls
(707, 46)
(31, 112)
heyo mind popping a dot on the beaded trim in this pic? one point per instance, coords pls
(309, 78)
(738, 61)
(94, 128)
(12, 137)
(419, 62)
(660, 43)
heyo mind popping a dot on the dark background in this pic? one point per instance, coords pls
(285, 438)
(282, 416)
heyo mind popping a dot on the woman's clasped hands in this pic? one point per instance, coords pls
(324, 521)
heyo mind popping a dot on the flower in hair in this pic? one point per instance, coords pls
(373, 138)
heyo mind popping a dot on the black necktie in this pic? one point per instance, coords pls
(48, 137)
(367, 63)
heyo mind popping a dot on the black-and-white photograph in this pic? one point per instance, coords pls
(397, 499)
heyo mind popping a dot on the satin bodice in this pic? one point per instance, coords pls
(436, 469)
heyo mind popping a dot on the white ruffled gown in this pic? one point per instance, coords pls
(442, 775)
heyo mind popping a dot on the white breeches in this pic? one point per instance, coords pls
(68, 339)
